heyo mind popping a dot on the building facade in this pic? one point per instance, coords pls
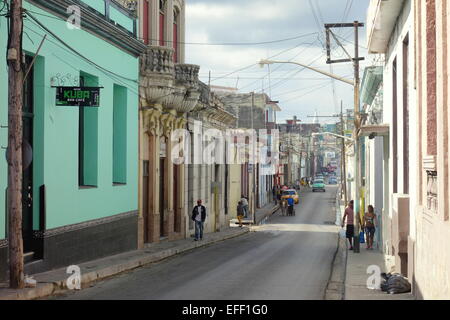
(412, 36)
(169, 90)
(80, 185)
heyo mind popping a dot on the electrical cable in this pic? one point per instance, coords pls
(68, 64)
(255, 64)
(278, 67)
(205, 43)
(76, 52)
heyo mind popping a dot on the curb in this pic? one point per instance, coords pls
(335, 289)
(336, 284)
(47, 289)
(268, 214)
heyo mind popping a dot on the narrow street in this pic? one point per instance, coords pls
(287, 258)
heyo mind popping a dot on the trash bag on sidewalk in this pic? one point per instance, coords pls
(395, 283)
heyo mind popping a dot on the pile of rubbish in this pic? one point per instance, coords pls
(395, 283)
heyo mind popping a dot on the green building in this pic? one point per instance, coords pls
(80, 192)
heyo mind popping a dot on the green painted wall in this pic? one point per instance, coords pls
(121, 19)
(98, 5)
(56, 128)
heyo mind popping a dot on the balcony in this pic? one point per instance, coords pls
(381, 18)
(174, 86)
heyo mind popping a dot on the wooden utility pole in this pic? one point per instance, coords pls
(356, 82)
(14, 152)
(344, 170)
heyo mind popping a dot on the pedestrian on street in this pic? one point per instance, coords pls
(274, 194)
(290, 202)
(199, 217)
(245, 204)
(369, 225)
(283, 207)
(349, 214)
(240, 213)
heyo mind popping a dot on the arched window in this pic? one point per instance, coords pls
(162, 10)
(175, 35)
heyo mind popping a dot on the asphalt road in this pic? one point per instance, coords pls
(287, 258)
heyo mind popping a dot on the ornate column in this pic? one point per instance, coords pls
(153, 130)
(167, 124)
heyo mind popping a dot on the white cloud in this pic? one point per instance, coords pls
(227, 21)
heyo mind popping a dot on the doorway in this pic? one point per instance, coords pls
(162, 186)
(27, 175)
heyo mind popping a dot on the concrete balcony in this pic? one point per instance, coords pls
(174, 86)
(381, 18)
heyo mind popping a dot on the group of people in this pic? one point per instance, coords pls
(368, 224)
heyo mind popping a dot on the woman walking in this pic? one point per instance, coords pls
(369, 225)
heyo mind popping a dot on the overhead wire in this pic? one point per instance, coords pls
(278, 67)
(202, 43)
(255, 64)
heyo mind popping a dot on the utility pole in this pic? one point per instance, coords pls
(14, 151)
(355, 25)
(344, 171)
(254, 162)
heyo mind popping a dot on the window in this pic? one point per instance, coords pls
(146, 22)
(394, 126)
(88, 138)
(175, 36)
(120, 135)
(161, 22)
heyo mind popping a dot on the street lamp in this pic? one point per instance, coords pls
(262, 62)
(355, 83)
(332, 134)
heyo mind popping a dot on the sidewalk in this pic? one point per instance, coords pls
(54, 281)
(356, 277)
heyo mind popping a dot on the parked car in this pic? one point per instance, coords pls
(290, 193)
(318, 185)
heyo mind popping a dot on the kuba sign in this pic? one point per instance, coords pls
(78, 96)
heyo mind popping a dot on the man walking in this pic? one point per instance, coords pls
(199, 217)
(349, 214)
(240, 213)
(290, 202)
(274, 194)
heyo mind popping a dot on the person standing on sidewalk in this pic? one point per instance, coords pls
(199, 217)
(350, 216)
(369, 226)
(245, 204)
(240, 213)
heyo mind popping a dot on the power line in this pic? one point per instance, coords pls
(254, 64)
(202, 43)
(278, 67)
(75, 51)
(68, 64)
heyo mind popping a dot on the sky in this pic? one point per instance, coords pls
(229, 37)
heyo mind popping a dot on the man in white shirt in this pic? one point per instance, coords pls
(199, 217)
